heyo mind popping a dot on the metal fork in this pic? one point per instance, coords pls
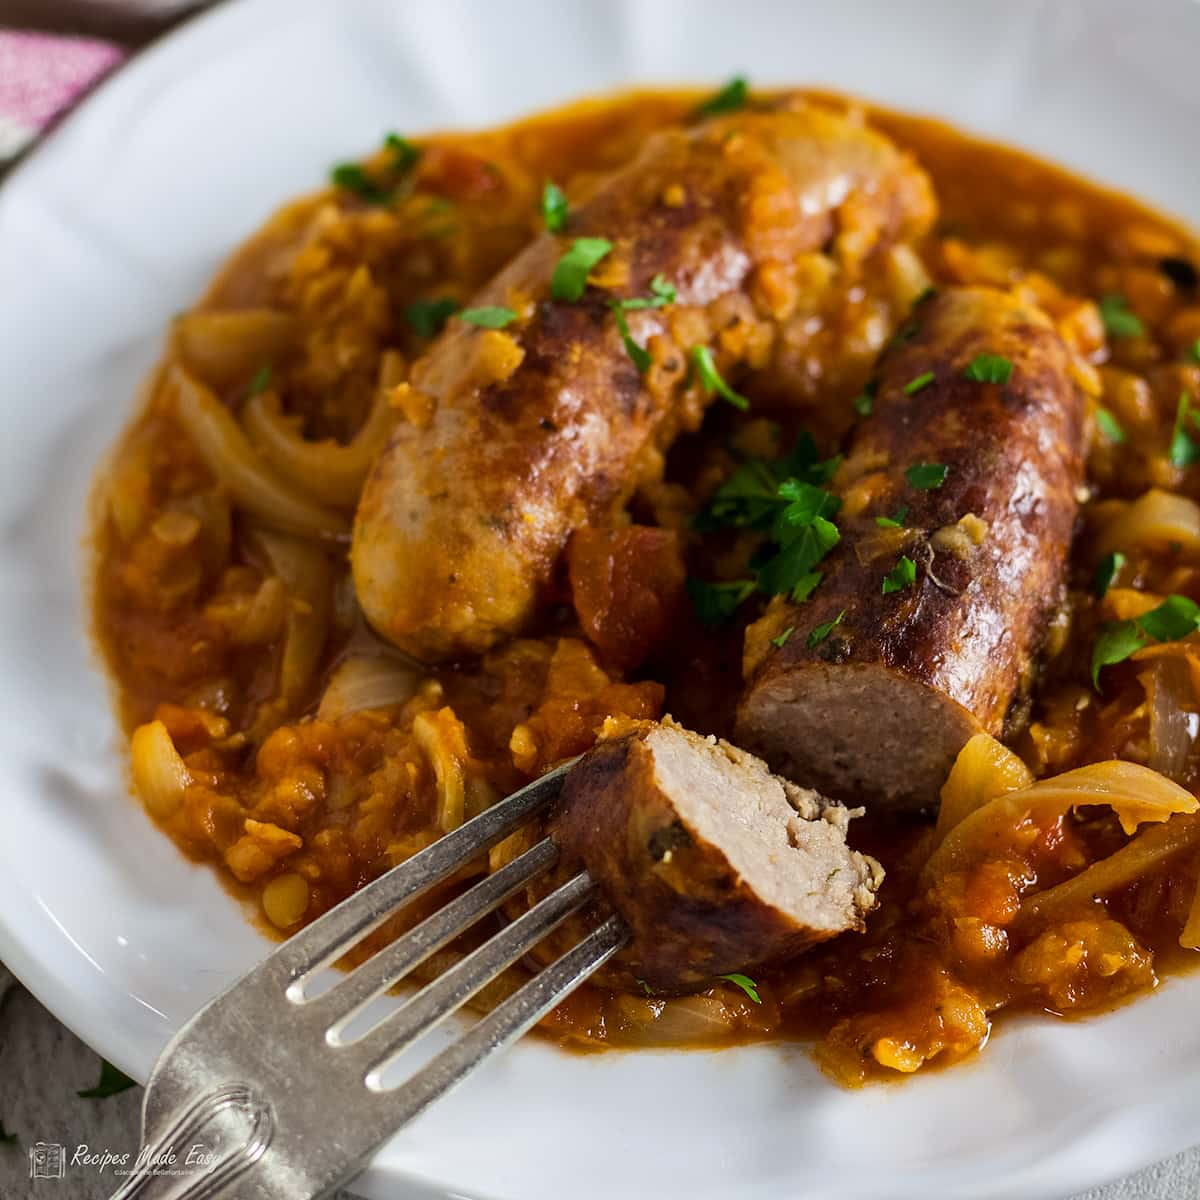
(285, 1101)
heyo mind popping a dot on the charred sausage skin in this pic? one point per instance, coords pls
(716, 865)
(879, 708)
(519, 435)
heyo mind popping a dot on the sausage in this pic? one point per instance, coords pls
(715, 864)
(525, 433)
(876, 711)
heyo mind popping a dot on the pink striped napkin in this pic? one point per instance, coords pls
(42, 76)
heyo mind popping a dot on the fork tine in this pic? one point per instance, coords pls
(353, 991)
(331, 935)
(452, 989)
(505, 1023)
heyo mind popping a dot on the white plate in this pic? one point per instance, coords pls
(116, 224)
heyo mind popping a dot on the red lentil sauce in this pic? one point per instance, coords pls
(277, 739)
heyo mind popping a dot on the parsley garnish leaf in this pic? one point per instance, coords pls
(989, 368)
(428, 316)
(715, 602)
(490, 316)
(1109, 426)
(915, 385)
(729, 99)
(571, 273)
(554, 207)
(927, 476)
(1196, 350)
(780, 640)
(1184, 450)
(893, 522)
(863, 404)
(111, 1082)
(710, 377)
(662, 291)
(1118, 320)
(1174, 618)
(901, 576)
(799, 556)
(746, 984)
(1106, 572)
(822, 631)
(259, 381)
(805, 586)
(641, 358)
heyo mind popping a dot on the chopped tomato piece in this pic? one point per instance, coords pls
(627, 588)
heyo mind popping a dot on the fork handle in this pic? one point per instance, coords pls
(204, 1148)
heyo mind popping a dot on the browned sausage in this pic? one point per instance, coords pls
(877, 710)
(528, 432)
(715, 864)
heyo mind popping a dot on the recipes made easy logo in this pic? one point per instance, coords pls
(50, 1160)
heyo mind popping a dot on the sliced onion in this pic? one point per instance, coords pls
(1135, 793)
(220, 442)
(227, 348)
(365, 682)
(159, 773)
(1127, 865)
(308, 578)
(1156, 519)
(1173, 726)
(983, 770)
(331, 473)
(684, 1020)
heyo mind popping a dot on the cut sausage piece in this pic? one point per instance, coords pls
(716, 865)
(525, 433)
(879, 708)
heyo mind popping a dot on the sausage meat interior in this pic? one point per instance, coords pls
(823, 475)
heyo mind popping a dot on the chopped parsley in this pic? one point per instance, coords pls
(901, 576)
(259, 381)
(111, 1082)
(1174, 618)
(927, 476)
(644, 986)
(1196, 350)
(822, 631)
(915, 385)
(1110, 426)
(785, 501)
(570, 275)
(746, 984)
(554, 207)
(1184, 450)
(353, 177)
(710, 377)
(715, 602)
(896, 521)
(1119, 320)
(1106, 572)
(805, 586)
(661, 292)
(729, 99)
(491, 316)
(404, 153)
(641, 357)
(989, 368)
(428, 316)
(864, 402)
(792, 565)
(780, 640)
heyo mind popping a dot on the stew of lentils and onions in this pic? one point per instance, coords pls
(274, 736)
